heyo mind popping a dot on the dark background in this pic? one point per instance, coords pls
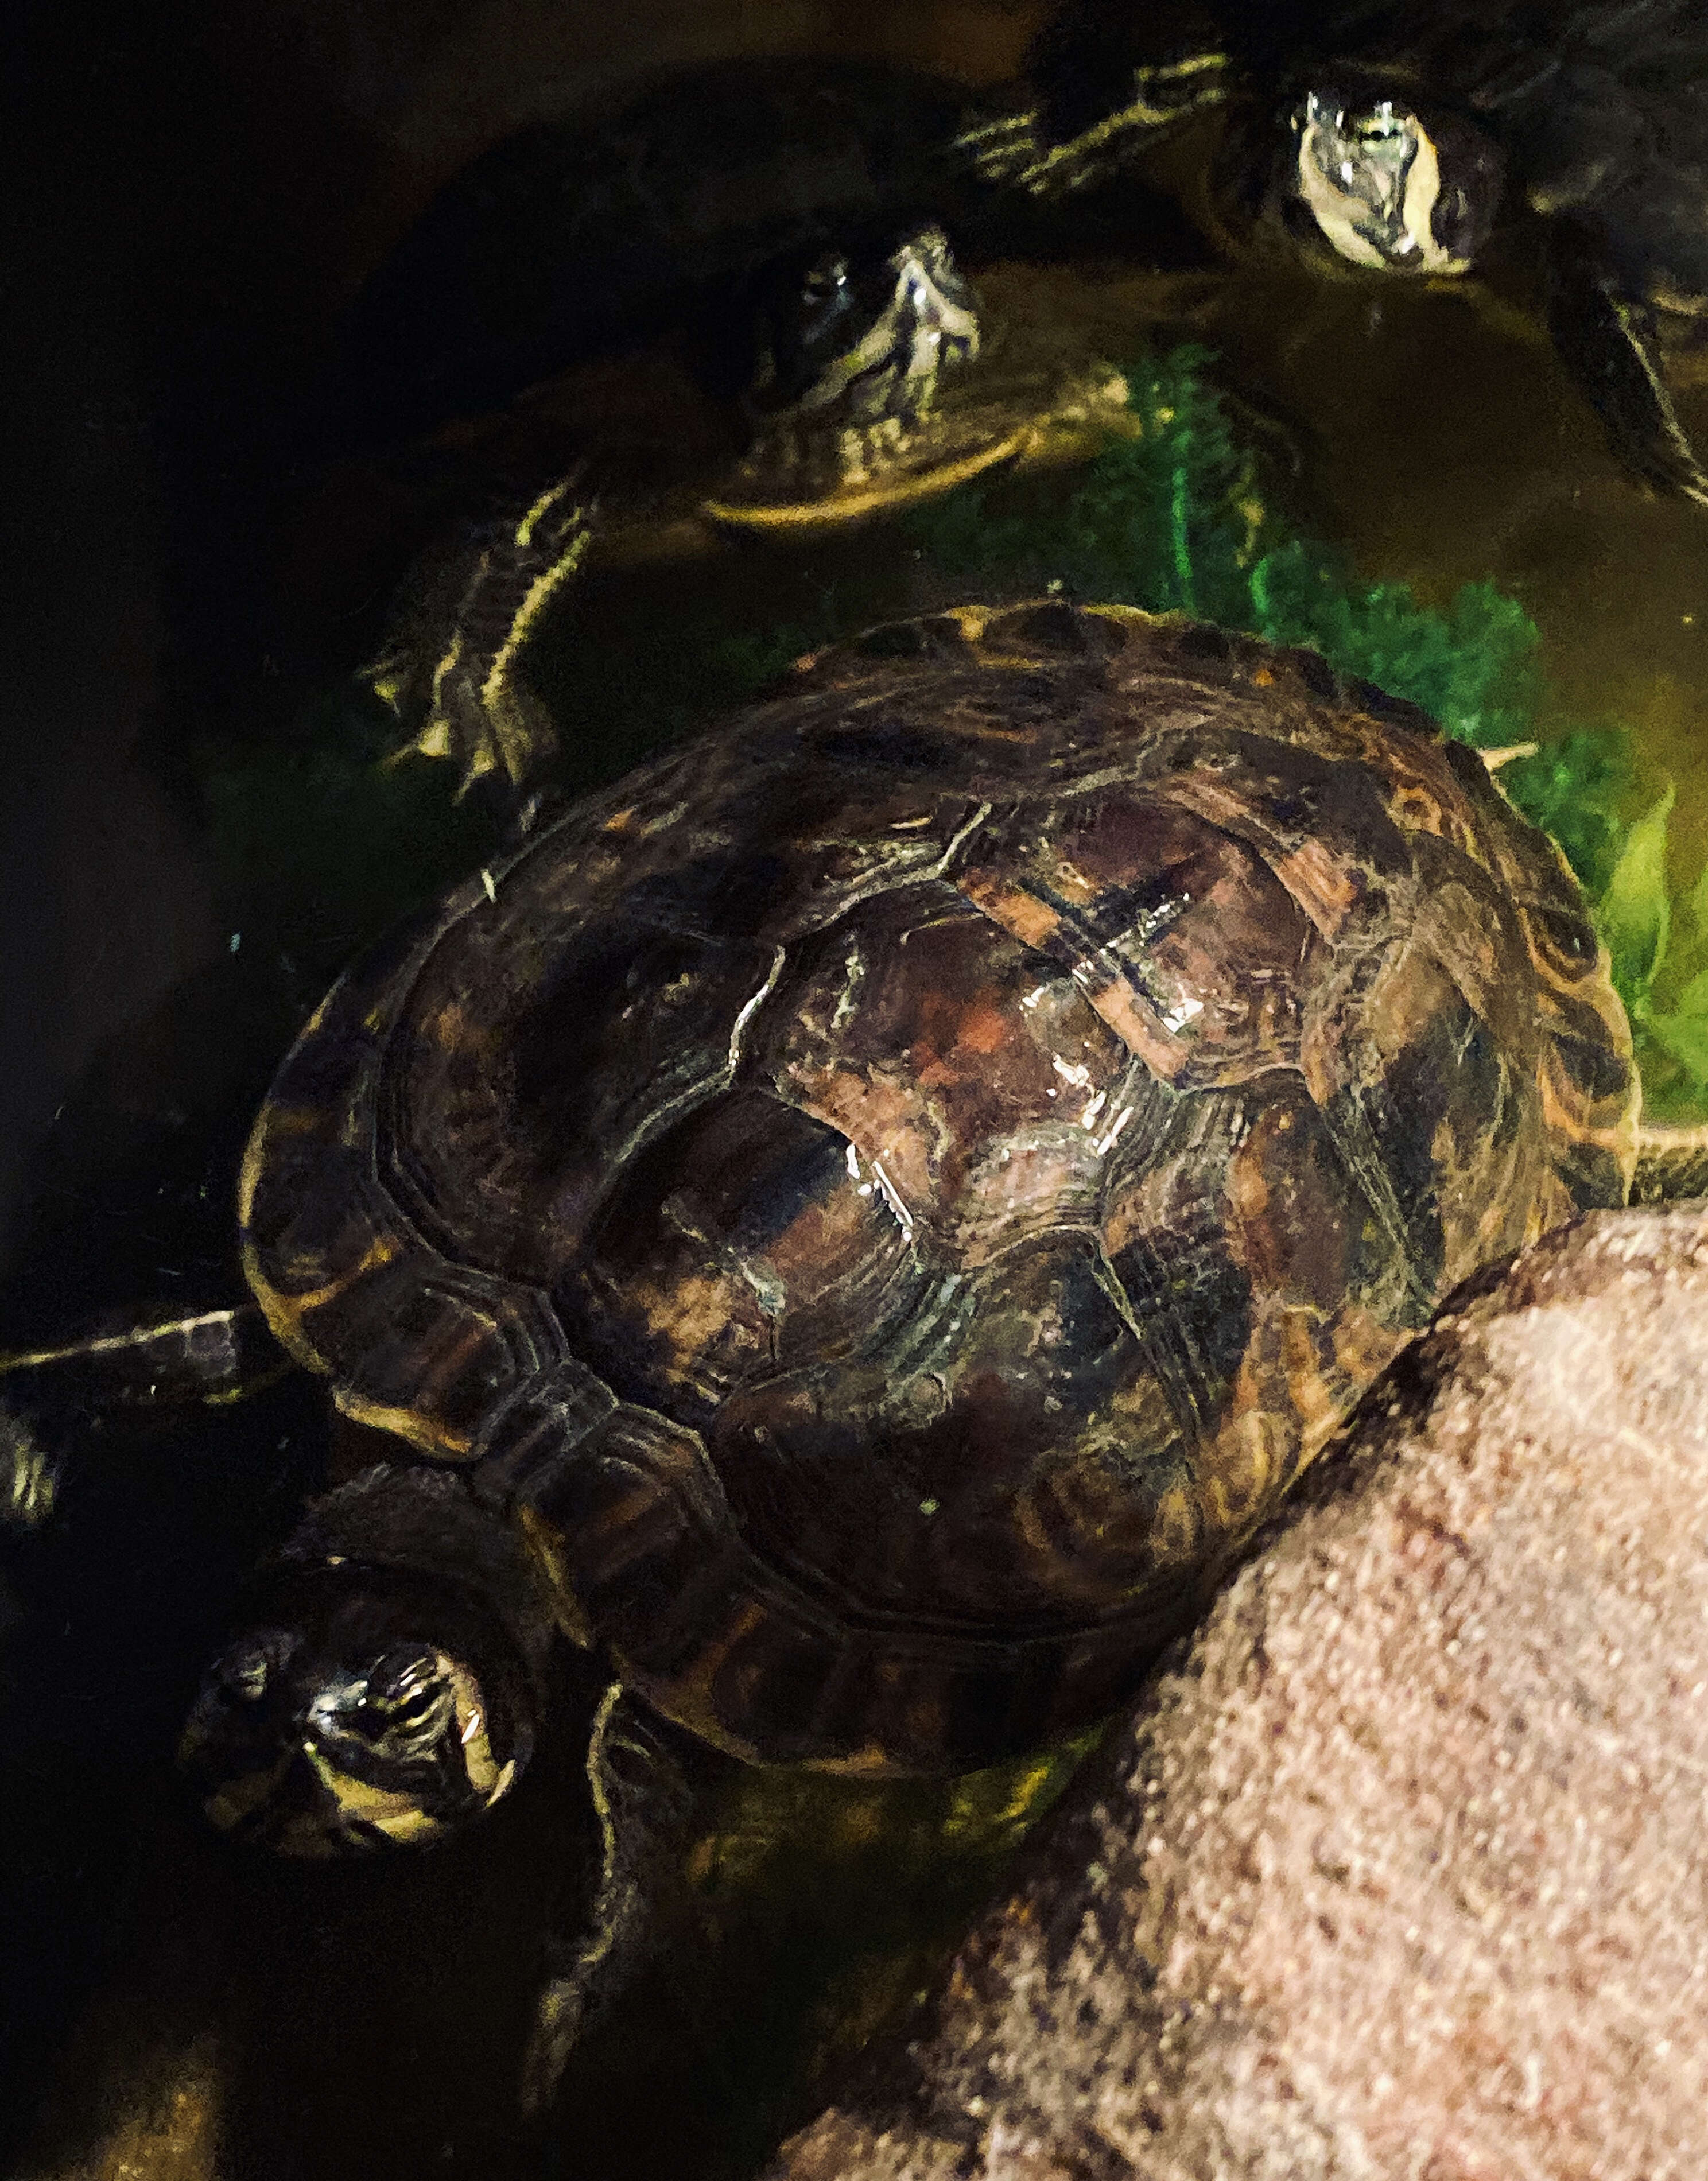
(195, 190)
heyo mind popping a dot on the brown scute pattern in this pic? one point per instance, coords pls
(890, 1194)
(742, 1240)
(434, 1342)
(931, 1042)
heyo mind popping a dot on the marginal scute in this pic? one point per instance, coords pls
(886, 1198)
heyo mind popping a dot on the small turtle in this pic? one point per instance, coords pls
(757, 255)
(852, 1227)
(684, 214)
(891, 390)
(1404, 142)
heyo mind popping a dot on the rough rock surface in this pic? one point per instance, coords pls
(1400, 1872)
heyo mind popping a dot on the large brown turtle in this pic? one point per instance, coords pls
(853, 1226)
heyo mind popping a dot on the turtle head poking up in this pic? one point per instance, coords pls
(1384, 186)
(364, 1706)
(853, 347)
(861, 337)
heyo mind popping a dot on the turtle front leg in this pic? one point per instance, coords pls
(453, 666)
(146, 1375)
(642, 1801)
(1609, 340)
(1103, 88)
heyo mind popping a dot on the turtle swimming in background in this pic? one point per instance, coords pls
(892, 388)
(738, 304)
(845, 1233)
(1403, 141)
(686, 214)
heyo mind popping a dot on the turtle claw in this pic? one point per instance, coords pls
(1609, 340)
(453, 668)
(1016, 152)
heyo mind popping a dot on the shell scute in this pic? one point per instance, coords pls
(934, 1043)
(889, 1197)
(1184, 939)
(744, 1234)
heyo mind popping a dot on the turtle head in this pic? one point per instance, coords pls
(1384, 186)
(366, 1702)
(854, 344)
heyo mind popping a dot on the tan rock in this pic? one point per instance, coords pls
(1400, 1871)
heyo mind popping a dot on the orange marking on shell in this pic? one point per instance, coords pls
(686, 1698)
(1237, 1484)
(1138, 1027)
(1318, 1410)
(408, 1424)
(1032, 921)
(984, 1028)
(284, 1313)
(1568, 1114)
(1325, 888)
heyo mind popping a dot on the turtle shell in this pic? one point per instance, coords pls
(890, 1194)
(586, 233)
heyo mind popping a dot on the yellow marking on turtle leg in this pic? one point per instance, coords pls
(399, 1816)
(536, 514)
(109, 1344)
(564, 2000)
(520, 743)
(1071, 165)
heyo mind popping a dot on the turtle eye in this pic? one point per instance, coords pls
(1317, 112)
(407, 1695)
(1379, 125)
(245, 1673)
(824, 280)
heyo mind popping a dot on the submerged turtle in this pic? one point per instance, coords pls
(893, 390)
(686, 214)
(853, 1226)
(735, 304)
(1404, 140)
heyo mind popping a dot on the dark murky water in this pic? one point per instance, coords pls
(332, 2026)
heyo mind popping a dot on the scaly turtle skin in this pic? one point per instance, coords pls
(1404, 140)
(854, 1226)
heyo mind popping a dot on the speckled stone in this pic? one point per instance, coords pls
(1400, 1868)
